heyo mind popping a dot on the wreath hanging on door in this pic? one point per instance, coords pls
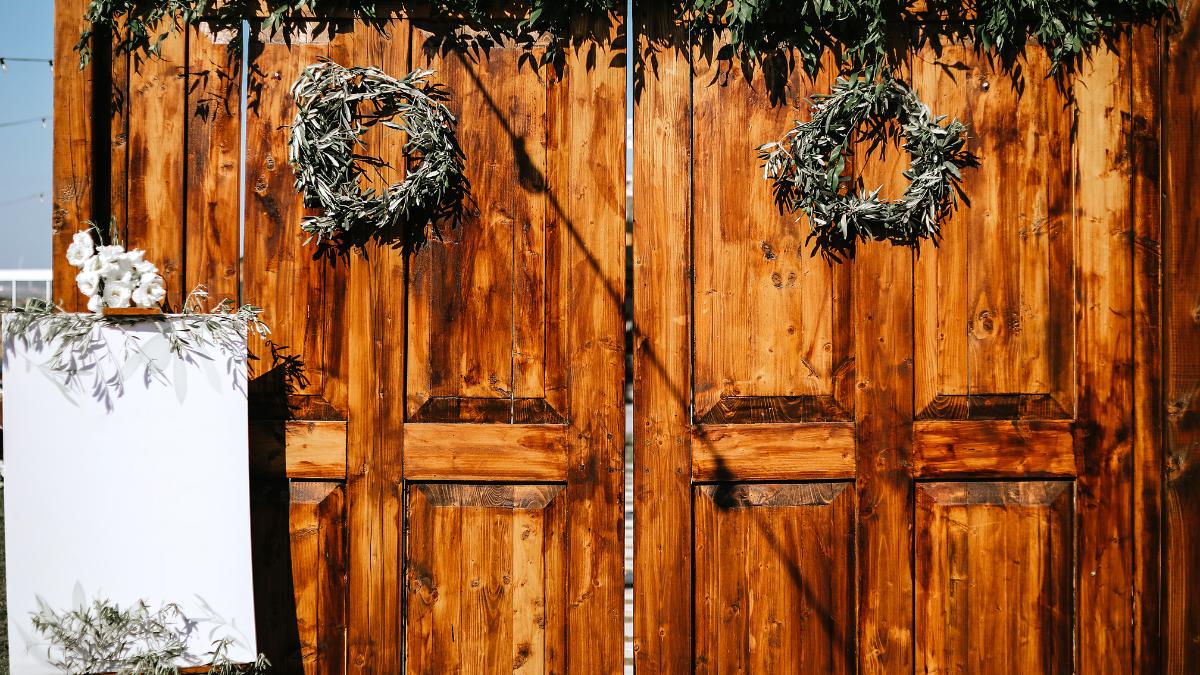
(807, 167)
(335, 106)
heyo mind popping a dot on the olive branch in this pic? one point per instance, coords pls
(335, 105)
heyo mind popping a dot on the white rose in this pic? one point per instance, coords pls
(81, 249)
(150, 292)
(145, 267)
(135, 257)
(89, 282)
(93, 264)
(94, 303)
(116, 294)
(109, 254)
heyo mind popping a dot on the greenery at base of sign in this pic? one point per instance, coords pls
(105, 638)
(335, 105)
(808, 167)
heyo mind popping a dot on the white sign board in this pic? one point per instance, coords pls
(133, 488)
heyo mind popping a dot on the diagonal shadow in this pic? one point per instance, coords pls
(533, 180)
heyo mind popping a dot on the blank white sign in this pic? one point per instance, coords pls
(129, 490)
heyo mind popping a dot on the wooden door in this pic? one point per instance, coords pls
(486, 380)
(437, 443)
(913, 461)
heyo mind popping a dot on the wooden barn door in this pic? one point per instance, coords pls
(910, 461)
(485, 451)
(437, 439)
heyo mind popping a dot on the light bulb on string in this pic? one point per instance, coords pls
(43, 122)
(3, 65)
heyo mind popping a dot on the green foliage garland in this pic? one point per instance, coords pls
(140, 26)
(875, 36)
(808, 167)
(335, 105)
(86, 365)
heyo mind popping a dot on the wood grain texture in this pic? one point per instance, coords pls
(1181, 283)
(485, 452)
(994, 577)
(1104, 313)
(485, 578)
(1148, 467)
(662, 344)
(214, 172)
(993, 306)
(304, 296)
(774, 588)
(298, 449)
(477, 297)
(883, 405)
(770, 318)
(586, 194)
(375, 320)
(993, 449)
(737, 452)
(73, 162)
(319, 574)
(157, 155)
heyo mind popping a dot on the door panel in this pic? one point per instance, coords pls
(994, 567)
(969, 403)
(486, 578)
(774, 589)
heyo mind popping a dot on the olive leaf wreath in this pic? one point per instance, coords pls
(807, 167)
(335, 106)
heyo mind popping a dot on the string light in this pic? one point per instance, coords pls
(22, 59)
(28, 120)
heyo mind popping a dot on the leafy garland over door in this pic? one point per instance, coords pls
(865, 41)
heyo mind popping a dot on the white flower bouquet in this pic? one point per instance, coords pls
(112, 277)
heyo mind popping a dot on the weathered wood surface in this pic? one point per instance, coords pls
(1023, 355)
(993, 567)
(662, 557)
(774, 590)
(486, 579)
(73, 163)
(1181, 284)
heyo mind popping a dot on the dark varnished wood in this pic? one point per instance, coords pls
(994, 577)
(485, 579)
(774, 585)
(1181, 284)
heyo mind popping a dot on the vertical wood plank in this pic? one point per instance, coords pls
(587, 195)
(303, 294)
(214, 91)
(1181, 281)
(774, 587)
(883, 404)
(157, 154)
(375, 320)
(662, 352)
(994, 577)
(1104, 311)
(73, 162)
(1145, 136)
(764, 306)
(478, 296)
(319, 575)
(118, 133)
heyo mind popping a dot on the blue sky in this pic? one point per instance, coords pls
(26, 90)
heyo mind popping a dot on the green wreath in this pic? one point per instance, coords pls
(335, 106)
(807, 167)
